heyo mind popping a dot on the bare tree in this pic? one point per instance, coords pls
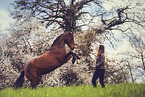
(52, 11)
(138, 45)
(66, 15)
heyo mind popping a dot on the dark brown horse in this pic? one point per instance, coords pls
(53, 58)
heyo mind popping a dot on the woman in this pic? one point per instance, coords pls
(100, 67)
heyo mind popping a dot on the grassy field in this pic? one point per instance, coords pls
(116, 90)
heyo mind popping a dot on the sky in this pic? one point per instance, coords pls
(5, 18)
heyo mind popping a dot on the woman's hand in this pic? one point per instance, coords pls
(94, 66)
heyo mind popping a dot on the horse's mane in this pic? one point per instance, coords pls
(56, 39)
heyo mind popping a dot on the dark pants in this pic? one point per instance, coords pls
(98, 73)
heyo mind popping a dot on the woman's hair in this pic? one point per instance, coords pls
(101, 49)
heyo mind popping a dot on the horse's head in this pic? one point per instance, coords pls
(70, 41)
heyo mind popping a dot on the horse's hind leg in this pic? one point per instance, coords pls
(33, 79)
(33, 83)
(31, 74)
(38, 79)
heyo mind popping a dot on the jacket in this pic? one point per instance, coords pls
(100, 61)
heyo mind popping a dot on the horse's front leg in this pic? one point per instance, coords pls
(68, 56)
(74, 57)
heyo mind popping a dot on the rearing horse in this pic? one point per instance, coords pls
(53, 58)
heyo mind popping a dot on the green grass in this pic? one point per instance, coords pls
(112, 90)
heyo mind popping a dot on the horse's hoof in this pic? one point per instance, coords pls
(73, 61)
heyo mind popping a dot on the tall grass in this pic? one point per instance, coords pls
(112, 90)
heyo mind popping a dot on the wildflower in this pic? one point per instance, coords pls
(47, 94)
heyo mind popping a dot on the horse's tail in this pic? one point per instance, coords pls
(19, 82)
